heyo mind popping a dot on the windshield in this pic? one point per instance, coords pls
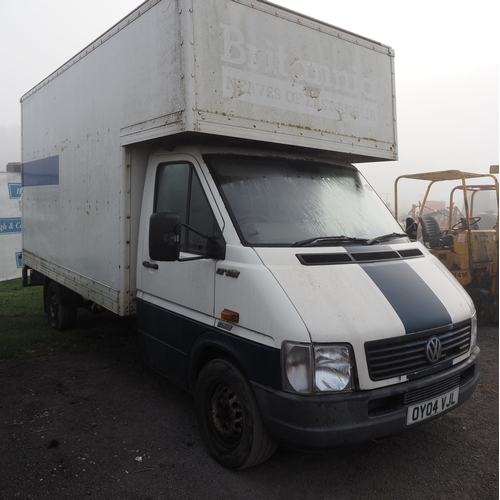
(277, 201)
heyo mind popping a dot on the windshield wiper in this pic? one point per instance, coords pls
(328, 240)
(389, 236)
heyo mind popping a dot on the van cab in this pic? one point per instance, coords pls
(280, 289)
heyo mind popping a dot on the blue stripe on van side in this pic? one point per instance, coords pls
(43, 172)
(173, 344)
(416, 304)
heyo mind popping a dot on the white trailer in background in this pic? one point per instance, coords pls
(193, 166)
(10, 223)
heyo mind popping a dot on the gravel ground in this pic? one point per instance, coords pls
(98, 424)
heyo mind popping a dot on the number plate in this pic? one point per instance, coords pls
(432, 407)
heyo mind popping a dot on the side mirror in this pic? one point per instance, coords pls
(411, 228)
(216, 247)
(164, 236)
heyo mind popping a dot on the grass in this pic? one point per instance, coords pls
(24, 329)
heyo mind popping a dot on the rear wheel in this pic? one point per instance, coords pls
(61, 313)
(228, 416)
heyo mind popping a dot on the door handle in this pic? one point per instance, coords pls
(149, 265)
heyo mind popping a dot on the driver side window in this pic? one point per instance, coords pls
(179, 190)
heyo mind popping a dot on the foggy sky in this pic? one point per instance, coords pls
(447, 71)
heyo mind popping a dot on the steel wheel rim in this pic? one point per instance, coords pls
(226, 415)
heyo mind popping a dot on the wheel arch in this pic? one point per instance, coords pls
(205, 350)
(258, 362)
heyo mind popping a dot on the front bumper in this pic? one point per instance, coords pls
(327, 421)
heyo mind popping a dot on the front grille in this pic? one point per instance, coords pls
(405, 355)
(432, 391)
(364, 256)
(412, 252)
(318, 259)
(322, 259)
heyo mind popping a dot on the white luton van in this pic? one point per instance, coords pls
(193, 166)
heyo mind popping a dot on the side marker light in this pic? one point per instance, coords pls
(231, 316)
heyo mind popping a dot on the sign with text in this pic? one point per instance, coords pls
(10, 225)
(14, 190)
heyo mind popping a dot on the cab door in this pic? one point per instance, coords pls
(175, 300)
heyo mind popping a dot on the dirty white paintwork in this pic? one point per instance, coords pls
(233, 68)
(305, 82)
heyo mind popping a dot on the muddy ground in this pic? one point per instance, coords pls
(97, 424)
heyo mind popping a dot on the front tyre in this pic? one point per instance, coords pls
(228, 416)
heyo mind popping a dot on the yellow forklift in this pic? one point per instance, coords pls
(468, 245)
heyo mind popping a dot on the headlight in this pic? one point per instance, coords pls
(297, 368)
(333, 369)
(473, 331)
(315, 369)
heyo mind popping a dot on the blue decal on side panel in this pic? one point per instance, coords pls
(19, 260)
(14, 190)
(43, 172)
(416, 304)
(10, 225)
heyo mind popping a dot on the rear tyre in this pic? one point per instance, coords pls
(228, 417)
(61, 312)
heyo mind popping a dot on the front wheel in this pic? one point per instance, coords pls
(230, 422)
